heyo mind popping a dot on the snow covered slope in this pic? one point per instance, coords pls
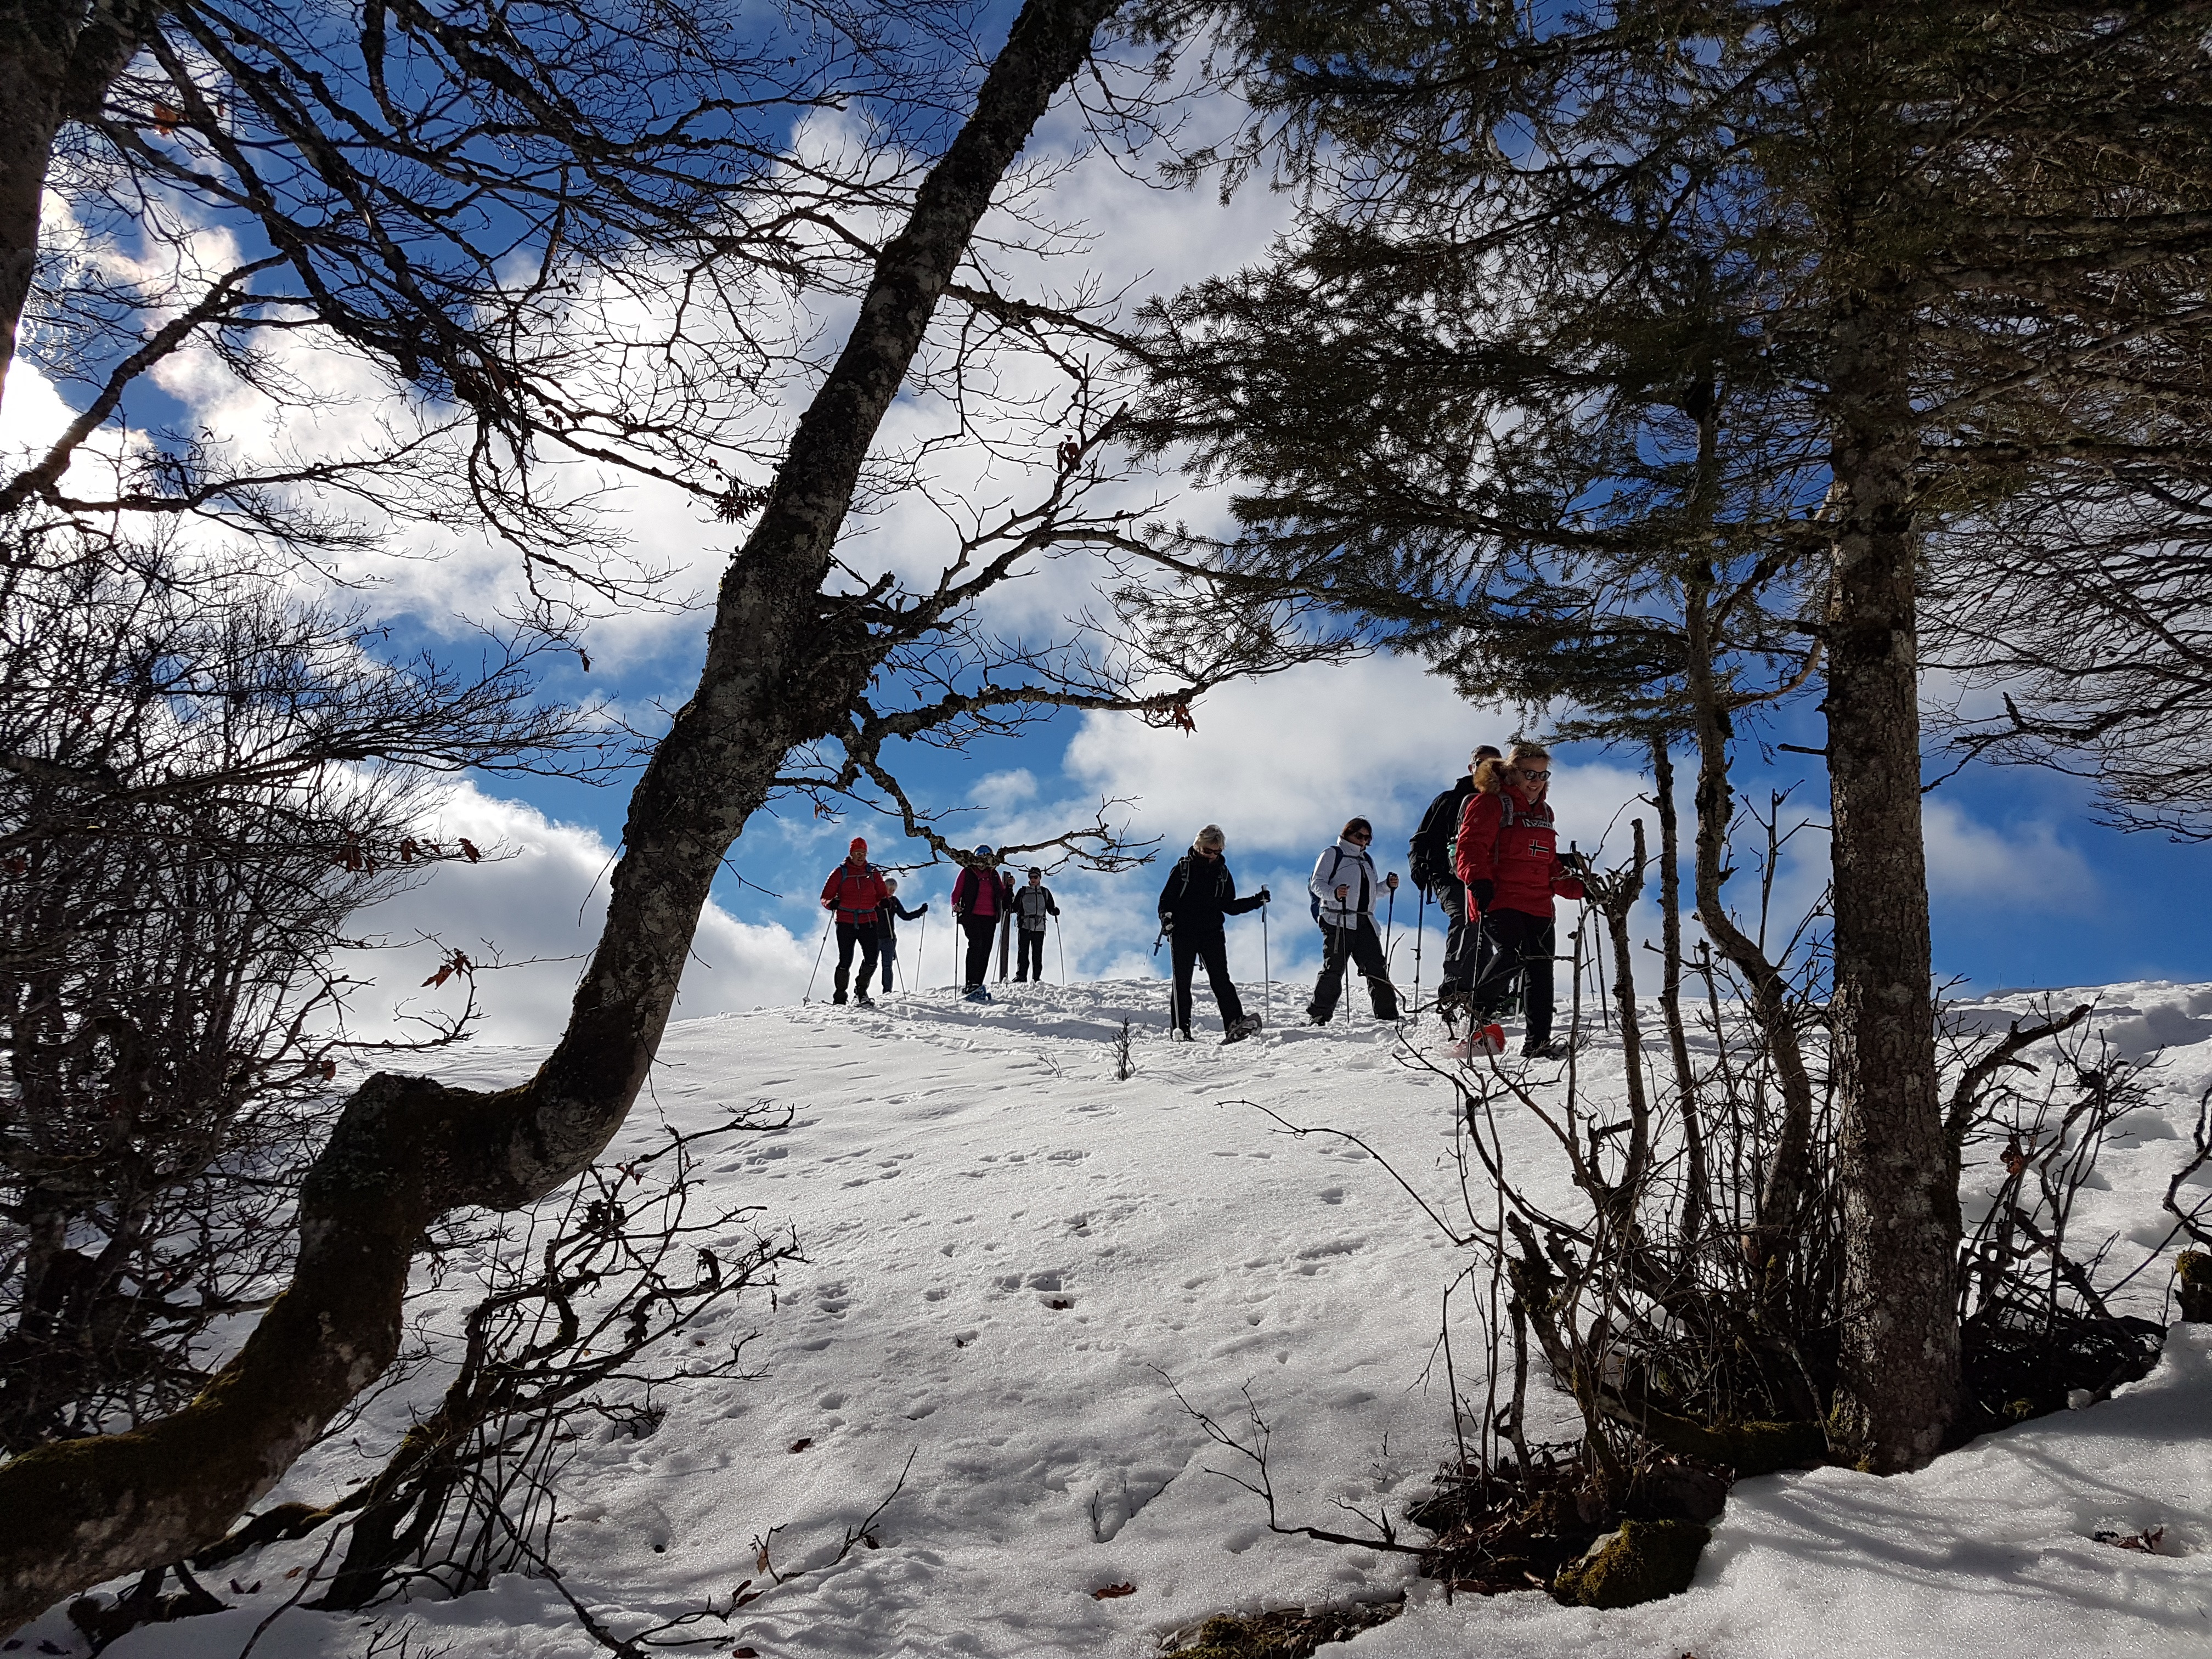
(1012, 1257)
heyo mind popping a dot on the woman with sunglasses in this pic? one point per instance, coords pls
(1343, 888)
(1199, 892)
(1507, 853)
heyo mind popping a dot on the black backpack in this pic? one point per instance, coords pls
(1429, 854)
(1313, 899)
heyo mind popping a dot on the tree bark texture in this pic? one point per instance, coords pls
(784, 662)
(1901, 1381)
(56, 60)
(1670, 985)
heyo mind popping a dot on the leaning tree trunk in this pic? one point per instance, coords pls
(1901, 1382)
(58, 58)
(783, 663)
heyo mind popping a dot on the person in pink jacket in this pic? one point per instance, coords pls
(1507, 853)
(982, 895)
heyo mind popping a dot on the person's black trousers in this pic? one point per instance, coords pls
(982, 935)
(1362, 947)
(1213, 950)
(1464, 941)
(850, 934)
(1029, 949)
(888, 960)
(1521, 950)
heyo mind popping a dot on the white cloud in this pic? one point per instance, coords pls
(1281, 762)
(1000, 790)
(538, 904)
(2024, 863)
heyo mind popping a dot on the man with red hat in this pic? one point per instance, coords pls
(855, 891)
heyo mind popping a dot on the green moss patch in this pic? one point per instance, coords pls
(1284, 1633)
(1748, 1449)
(1642, 1562)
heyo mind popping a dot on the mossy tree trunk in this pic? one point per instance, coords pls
(784, 662)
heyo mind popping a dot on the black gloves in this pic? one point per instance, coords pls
(1483, 892)
(1265, 896)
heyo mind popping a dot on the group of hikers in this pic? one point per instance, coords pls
(1486, 852)
(864, 904)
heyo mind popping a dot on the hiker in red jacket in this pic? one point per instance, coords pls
(855, 891)
(1507, 853)
(980, 898)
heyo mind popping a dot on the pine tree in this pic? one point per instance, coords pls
(1954, 254)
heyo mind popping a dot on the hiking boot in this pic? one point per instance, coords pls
(1239, 1029)
(861, 998)
(838, 1000)
(1179, 1033)
(1553, 1050)
(1315, 1017)
(976, 994)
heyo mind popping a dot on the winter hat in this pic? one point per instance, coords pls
(1210, 836)
(983, 851)
(858, 846)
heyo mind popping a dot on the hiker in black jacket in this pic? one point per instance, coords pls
(1199, 892)
(1432, 872)
(887, 921)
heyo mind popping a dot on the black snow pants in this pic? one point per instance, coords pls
(1464, 941)
(1363, 948)
(1028, 954)
(1212, 949)
(983, 932)
(849, 934)
(1520, 949)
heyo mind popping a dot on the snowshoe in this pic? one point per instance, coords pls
(1240, 1029)
(976, 993)
(1481, 1040)
(864, 1001)
(1179, 1033)
(1554, 1049)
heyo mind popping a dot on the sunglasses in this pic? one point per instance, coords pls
(1535, 777)
(1209, 851)
(1360, 835)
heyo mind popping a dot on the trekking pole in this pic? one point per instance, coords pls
(818, 949)
(921, 949)
(1267, 970)
(1420, 923)
(1059, 939)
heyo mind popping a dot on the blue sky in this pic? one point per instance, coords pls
(2028, 890)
